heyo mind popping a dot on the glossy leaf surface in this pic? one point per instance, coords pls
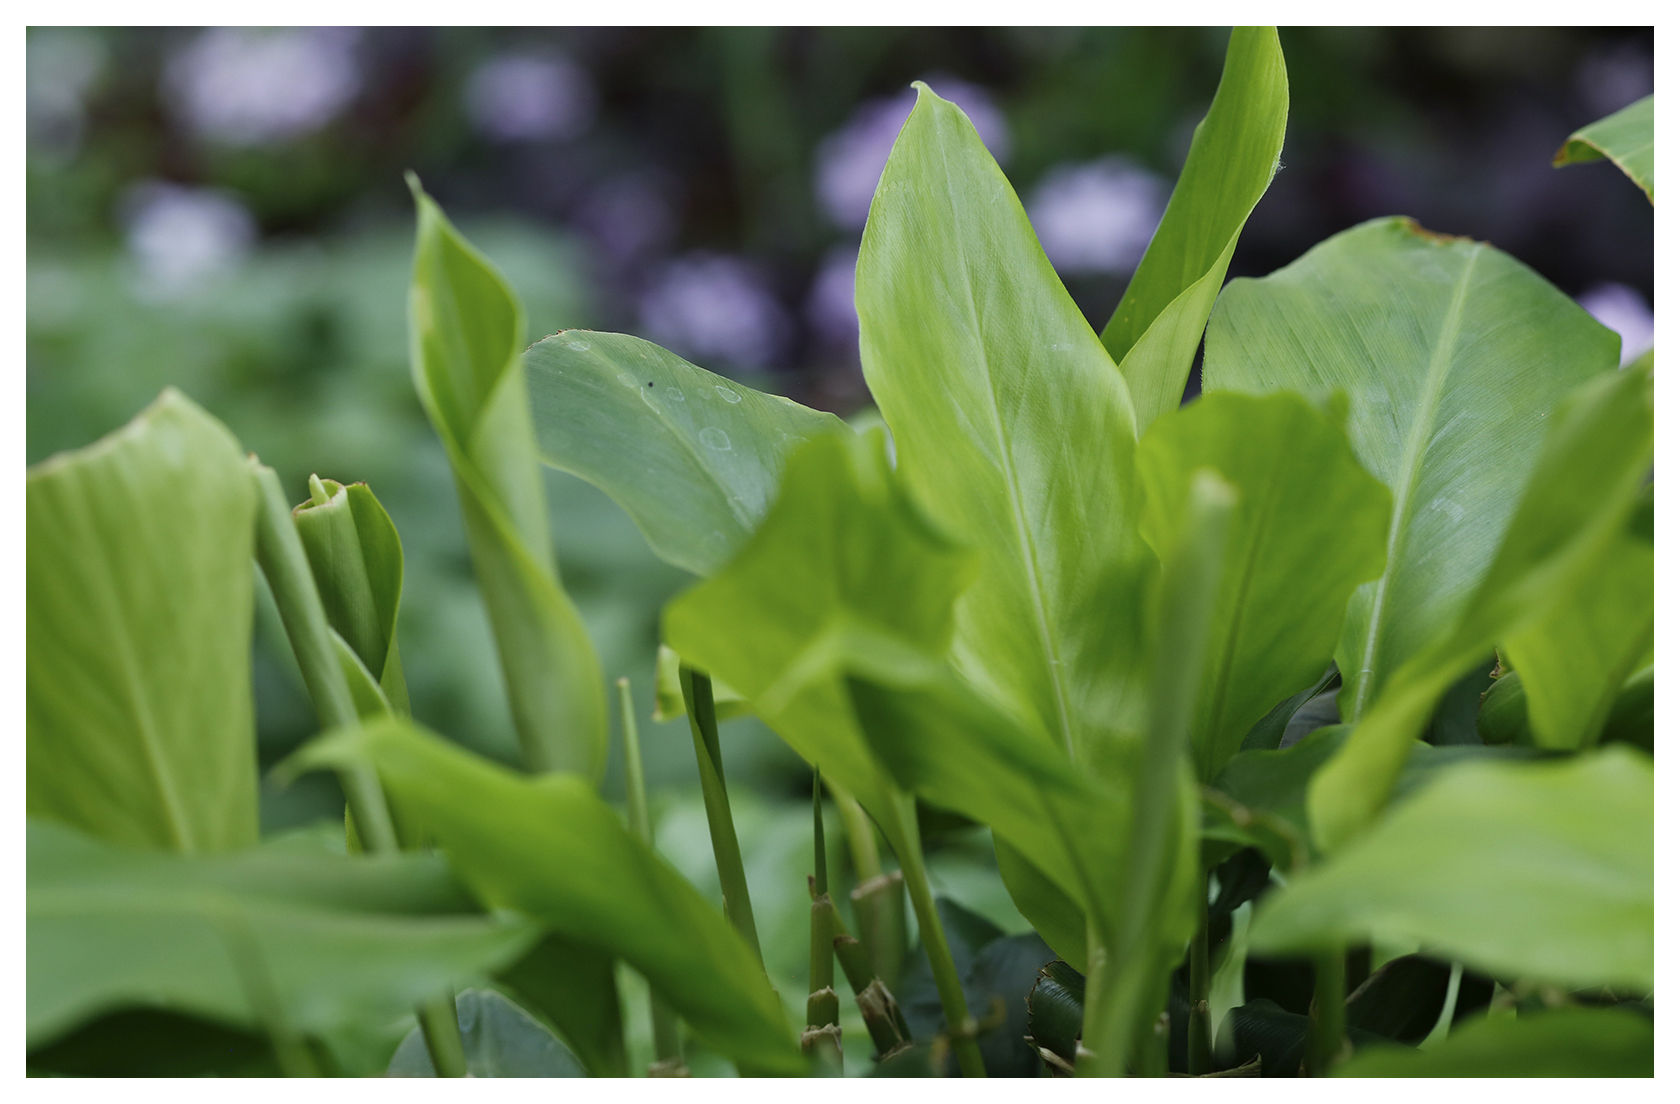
(1158, 324)
(1626, 138)
(1452, 356)
(1559, 1042)
(1540, 870)
(552, 849)
(1308, 527)
(139, 592)
(1012, 428)
(1586, 486)
(466, 336)
(499, 1039)
(286, 937)
(694, 458)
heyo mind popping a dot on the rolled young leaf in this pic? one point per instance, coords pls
(1585, 487)
(1538, 870)
(1626, 138)
(356, 557)
(1012, 428)
(466, 333)
(138, 685)
(694, 458)
(285, 937)
(552, 849)
(1308, 528)
(1452, 355)
(1158, 324)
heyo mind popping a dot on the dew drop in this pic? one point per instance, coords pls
(714, 438)
(675, 394)
(627, 379)
(728, 395)
(580, 346)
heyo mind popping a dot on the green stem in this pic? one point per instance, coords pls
(820, 1012)
(1329, 1036)
(667, 1041)
(442, 1032)
(1201, 1029)
(732, 875)
(860, 833)
(286, 567)
(960, 1024)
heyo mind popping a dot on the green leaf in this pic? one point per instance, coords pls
(551, 848)
(149, 1042)
(694, 458)
(1308, 528)
(1539, 870)
(1450, 387)
(286, 937)
(1626, 138)
(1559, 1042)
(1054, 914)
(466, 333)
(138, 683)
(1056, 1011)
(844, 569)
(499, 1038)
(576, 988)
(357, 560)
(1585, 489)
(1012, 428)
(1575, 655)
(668, 703)
(1158, 324)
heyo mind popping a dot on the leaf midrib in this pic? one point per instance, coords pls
(1411, 467)
(1028, 550)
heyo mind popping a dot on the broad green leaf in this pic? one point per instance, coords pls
(1626, 138)
(1585, 487)
(844, 569)
(356, 557)
(466, 333)
(694, 458)
(1308, 528)
(1450, 386)
(1055, 915)
(1012, 428)
(1556, 1042)
(552, 849)
(1158, 324)
(1160, 875)
(285, 938)
(575, 986)
(138, 684)
(1575, 655)
(1535, 870)
(499, 1039)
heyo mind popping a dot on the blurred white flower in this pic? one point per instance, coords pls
(62, 64)
(530, 97)
(830, 307)
(1098, 216)
(249, 87)
(849, 161)
(628, 217)
(1624, 310)
(180, 237)
(714, 308)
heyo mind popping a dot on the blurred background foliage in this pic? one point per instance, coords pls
(224, 210)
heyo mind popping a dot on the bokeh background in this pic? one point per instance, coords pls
(223, 210)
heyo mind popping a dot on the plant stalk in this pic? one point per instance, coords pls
(1328, 1041)
(1200, 1042)
(285, 565)
(822, 1007)
(667, 1040)
(960, 1024)
(878, 897)
(726, 848)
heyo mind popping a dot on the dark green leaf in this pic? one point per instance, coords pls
(151, 1042)
(499, 1039)
(1155, 330)
(1056, 1010)
(1503, 717)
(139, 635)
(1268, 732)
(574, 986)
(694, 458)
(1261, 1028)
